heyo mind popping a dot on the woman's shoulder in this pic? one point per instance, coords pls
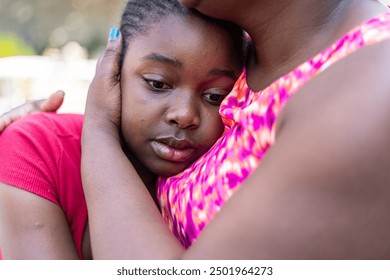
(360, 80)
(354, 68)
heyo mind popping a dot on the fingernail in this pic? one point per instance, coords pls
(114, 34)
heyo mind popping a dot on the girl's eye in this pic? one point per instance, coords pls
(215, 98)
(157, 85)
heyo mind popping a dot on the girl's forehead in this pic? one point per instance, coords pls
(178, 28)
(187, 39)
(171, 20)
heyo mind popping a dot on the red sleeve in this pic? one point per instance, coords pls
(29, 153)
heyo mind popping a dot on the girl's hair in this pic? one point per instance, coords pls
(138, 15)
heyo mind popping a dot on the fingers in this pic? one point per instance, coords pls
(108, 63)
(13, 115)
(52, 103)
(104, 96)
(4, 122)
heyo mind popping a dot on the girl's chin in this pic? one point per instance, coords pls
(169, 172)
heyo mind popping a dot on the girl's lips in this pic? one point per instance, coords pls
(169, 153)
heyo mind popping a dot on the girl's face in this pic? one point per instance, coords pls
(174, 78)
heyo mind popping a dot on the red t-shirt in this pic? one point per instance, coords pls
(41, 154)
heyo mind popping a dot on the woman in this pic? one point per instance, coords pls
(319, 184)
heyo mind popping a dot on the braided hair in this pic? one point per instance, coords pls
(138, 15)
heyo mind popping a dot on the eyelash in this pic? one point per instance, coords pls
(151, 84)
(215, 103)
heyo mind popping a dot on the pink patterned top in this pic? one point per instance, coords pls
(191, 199)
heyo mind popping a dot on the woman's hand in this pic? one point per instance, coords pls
(51, 104)
(103, 107)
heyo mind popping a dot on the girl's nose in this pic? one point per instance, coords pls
(183, 112)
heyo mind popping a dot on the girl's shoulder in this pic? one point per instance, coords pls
(46, 124)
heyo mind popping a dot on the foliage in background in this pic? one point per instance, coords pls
(11, 45)
(51, 24)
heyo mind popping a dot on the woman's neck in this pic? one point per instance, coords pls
(291, 32)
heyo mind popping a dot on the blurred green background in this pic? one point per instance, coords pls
(33, 26)
(12, 44)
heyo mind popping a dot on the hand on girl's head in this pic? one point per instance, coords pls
(104, 92)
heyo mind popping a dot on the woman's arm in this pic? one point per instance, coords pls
(322, 191)
(119, 205)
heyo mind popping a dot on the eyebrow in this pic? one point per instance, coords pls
(223, 72)
(165, 59)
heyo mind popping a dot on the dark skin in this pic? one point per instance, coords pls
(332, 201)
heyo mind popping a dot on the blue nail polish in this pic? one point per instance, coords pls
(114, 34)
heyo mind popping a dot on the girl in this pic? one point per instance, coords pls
(171, 92)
